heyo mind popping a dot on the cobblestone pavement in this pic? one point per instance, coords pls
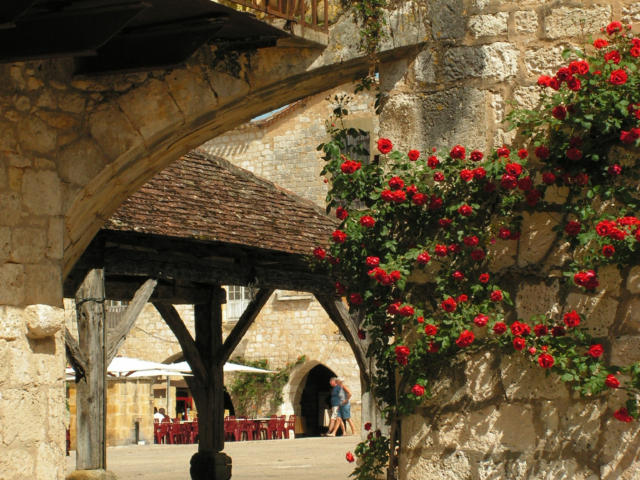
(317, 458)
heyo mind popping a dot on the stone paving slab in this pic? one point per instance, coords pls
(318, 458)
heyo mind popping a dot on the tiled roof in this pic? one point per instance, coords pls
(207, 198)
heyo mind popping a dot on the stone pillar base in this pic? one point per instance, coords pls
(210, 466)
(91, 475)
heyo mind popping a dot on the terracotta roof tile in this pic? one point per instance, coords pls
(207, 198)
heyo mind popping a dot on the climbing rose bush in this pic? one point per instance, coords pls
(417, 247)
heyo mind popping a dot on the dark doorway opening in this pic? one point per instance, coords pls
(315, 399)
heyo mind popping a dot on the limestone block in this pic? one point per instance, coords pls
(451, 466)
(35, 135)
(632, 316)
(59, 121)
(631, 13)
(597, 311)
(71, 102)
(555, 194)
(11, 323)
(498, 61)
(55, 235)
(151, 109)
(48, 463)
(392, 75)
(113, 131)
(43, 284)
(226, 87)
(633, 281)
(523, 379)
(43, 320)
(537, 299)
(502, 254)
(625, 350)
(407, 24)
(575, 22)
(537, 237)
(580, 426)
(503, 427)
(544, 60)
(483, 380)
(610, 280)
(488, 25)
(16, 463)
(447, 19)
(526, 21)
(12, 281)
(492, 468)
(5, 244)
(28, 244)
(527, 97)
(190, 90)
(81, 161)
(91, 475)
(28, 427)
(41, 192)
(416, 433)
(620, 445)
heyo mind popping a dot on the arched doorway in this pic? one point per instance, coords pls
(315, 399)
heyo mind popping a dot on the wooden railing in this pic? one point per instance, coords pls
(313, 14)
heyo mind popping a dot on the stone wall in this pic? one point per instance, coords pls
(496, 417)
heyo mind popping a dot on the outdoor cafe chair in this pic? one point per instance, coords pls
(231, 430)
(161, 432)
(247, 427)
(290, 426)
(271, 429)
(175, 433)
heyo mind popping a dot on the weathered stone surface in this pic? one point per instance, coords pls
(632, 316)
(610, 280)
(11, 323)
(407, 24)
(537, 237)
(12, 281)
(575, 22)
(527, 97)
(488, 25)
(54, 247)
(453, 466)
(498, 61)
(28, 244)
(416, 433)
(5, 244)
(91, 475)
(483, 380)
(526, 21)
(537, 299)
(503, 427)
(447, 19)
(16, 463)
(619, 446)
(545, 60)
(36, 135)
(580, 425)
(113, 131)
(41, 192)
(631, 13)
(502, 254)
(424, 66)
(43, 284)
(43, 320)
(598, 311)
(625, 350)
(555, 194)
(190, 90)
(226, 86)
(523, 379)
(633, 281)
(79, 162)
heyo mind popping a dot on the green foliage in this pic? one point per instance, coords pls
(258, 394)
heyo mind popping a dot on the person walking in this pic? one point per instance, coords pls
(345, 409)
(337, 398)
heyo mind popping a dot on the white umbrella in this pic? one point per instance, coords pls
(158, 373)
(228, 367)
(126, 367)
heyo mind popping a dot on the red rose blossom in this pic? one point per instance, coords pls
(476, 156)
(574, 154)
(384, 145)
(477, 254)
(479, 173)
(542, 152)
(503, 152)
(339, 236)
(611, 381)
(600, 43)
(396, 183)
(413, 155)
(618, 77)
(504, 233)
(402, 354)
(571, 319)
(612, 56)
(595, 351)
(320, 253)
(508, 182)
(349, 166)
(449, 305)
(480, 320)
(622, 414)
(588, 279)
(361, 334)
(548, 178)
(419, 199)
(540, 330)
(614, 27)
(519, 343)
(466, 175)
(430, 329)
(465, 339)
(558, 331)
(441, 250)
(496, 296)
(367, 221)
(545, 360)
(458, 152)
(573, 228)
(614, 170)
(483, 278)
(350, 458)
(444, 222)
(499, 328)
(465, 210)
(433, 162)
(407, 311)
(559, 112)
(438, 176)
(523, 153)
(423, 258)
(458, 275)
(355, 299)
(417, 390)
(608, 250)
(367, 426)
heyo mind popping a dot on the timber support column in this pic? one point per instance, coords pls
(91, 460)
(209, 463)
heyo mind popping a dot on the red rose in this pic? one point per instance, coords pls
(340, 288)
(579, 67)
(396, 183)
(413, 155)
(458, 152)
(574, 154)
(503, 152)
(480, 320)
(423, 258)
(542, 152)
(417, 390)
(508, 182)
(618, 77)
(465, 339)
(367, 221)
(544, 80)
(558, 331)
(320, 253)
(548, 178)
(449, 305)
(573, 228)
(419, 199)
(476, 156)
(574, 84)
(614, 27)
(458, 275)
(611, 381)
(471, 241)
(513, 168)
(466, 175)
(361, 334)
(407, 311)
(635, 52)
(438, 177)
(614, 170)
(612, 56)
(519, 343)
(545, 360)
(600, 43)
(499, 328)
(588, 279)
(462, 298)
(504, 233)
(540, 330)
(477, 254)
(623, 415)
(395, 275)
(604, 227)
(630, 136)
(559, 112)
(350, 457)
(349, 166)
(523, 153)
(433, 161)
(402, 354)
(454, 248)
(435, 202)
(465, 210)
(608, 250)
(373, 261)
(519, 328)
(444, 222)
(564, 74)
(355, 299)
(394, 308)
(496, 296)
(483, 278)
(367, 426)
(479, 173)
(595, 351)
(384, 145)
(341, 213)
(430, 329)
(441, 250)
(420, 319)
(339, 236)
(571, 319)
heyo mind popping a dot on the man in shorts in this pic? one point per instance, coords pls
(337, 398)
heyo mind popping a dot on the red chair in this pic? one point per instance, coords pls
(271, 430)
(194, 431)
(231, 430)
(175, 433)
(248, 427)
(161, 432)
(290, 426)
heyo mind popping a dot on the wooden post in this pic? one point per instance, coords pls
(91, 390)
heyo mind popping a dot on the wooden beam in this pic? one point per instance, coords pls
(188, 345)
(91, 395)
(116, 337)
(124, 289)
(245, 321)
(75, 356)
(339, 314)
